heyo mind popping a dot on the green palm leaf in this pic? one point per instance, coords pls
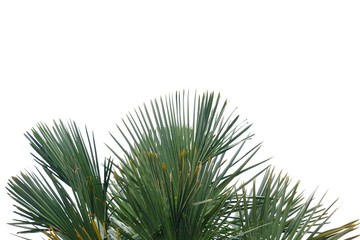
(44, 199)
(276, 210)
(174, 178)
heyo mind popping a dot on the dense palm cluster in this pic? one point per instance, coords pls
(178, 173)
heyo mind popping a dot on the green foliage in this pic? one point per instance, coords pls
(68, 198)
(179, 162)
(173, 182)
(275, 210)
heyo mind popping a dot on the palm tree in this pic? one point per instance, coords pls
(181, 171)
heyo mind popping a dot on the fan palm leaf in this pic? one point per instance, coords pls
(276, 210)
(68, 163)
(174, 178)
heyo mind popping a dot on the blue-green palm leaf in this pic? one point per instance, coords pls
(174, 178)
(67, 198)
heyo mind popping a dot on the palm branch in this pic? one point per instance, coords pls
(67, 197)
(173, 181)
(277, 210)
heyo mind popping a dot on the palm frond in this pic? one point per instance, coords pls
(174, 178)
(276, 210)
(68, 163)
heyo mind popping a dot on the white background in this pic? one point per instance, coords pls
(291, 68)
